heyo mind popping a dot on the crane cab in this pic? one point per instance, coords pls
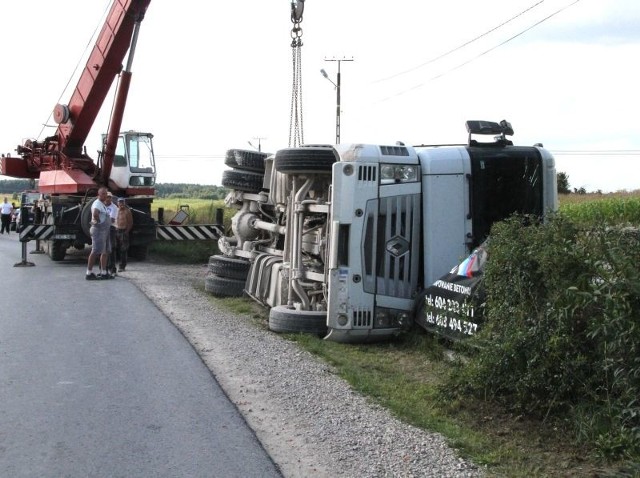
(134, 167)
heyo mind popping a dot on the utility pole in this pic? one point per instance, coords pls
(337, 86)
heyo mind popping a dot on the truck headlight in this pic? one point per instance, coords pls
(391, 318)
(398, 173)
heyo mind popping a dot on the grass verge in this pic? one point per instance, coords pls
(405, 377)
(185, 252)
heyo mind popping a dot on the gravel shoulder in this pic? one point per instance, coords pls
(309, 420)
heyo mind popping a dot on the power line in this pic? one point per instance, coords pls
(481, 54)
(596, 152)
(215, 156)
(460, 46)
(559, 152)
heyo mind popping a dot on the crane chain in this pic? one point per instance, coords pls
(296, 131)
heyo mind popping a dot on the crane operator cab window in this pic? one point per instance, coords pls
(134, 163)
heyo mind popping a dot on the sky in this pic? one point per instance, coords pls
(210, 76)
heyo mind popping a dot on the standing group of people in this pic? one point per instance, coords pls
(111, 225)
(6, 209)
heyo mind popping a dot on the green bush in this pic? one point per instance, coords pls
(562, 333)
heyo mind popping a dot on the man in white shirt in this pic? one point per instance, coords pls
(100, 230)
(5, 210)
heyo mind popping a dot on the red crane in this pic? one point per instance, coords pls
(67, 176)
(60, 161)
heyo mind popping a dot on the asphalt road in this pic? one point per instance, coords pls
(96, 382)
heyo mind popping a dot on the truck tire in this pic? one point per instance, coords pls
(311, 160)
(57, 250)
(245, 160)
(223, 286)
(85, 218)
(242, 180)
(230, 267)
(284, 319)
(230, 158)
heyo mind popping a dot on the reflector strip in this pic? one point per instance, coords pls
(200, 232)
(36, 231)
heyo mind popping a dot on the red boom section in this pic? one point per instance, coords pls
(59, 161)
(104, 64)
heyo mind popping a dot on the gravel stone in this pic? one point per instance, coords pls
(309, 420)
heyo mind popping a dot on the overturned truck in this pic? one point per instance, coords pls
(340, 240)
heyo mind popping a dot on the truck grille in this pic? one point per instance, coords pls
(367, 173)
(362, 318)
(390, 246)
(394, 151)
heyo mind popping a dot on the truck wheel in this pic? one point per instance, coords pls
(57, 250)
(245, 160)
(242, 180)
(230, 159)
(85, 218)
(286, 320)
(230, 267)
(312, 160)
(223, 286)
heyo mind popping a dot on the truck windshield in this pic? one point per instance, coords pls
(140, 153)
(504, 182)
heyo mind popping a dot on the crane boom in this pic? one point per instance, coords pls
(59, 161)
(103, 66)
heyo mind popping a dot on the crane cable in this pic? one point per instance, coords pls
(296, 131)
(75, 70)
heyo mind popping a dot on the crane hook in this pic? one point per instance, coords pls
(297, 9)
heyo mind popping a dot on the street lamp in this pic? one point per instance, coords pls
(337, 87)
(259, 148)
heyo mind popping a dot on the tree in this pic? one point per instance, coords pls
(563, 183)
(15, 185)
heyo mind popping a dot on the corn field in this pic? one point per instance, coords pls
(619, 208)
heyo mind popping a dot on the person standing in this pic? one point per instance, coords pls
(113, 211)
(5, 210)
(99, 231)
(124, 224)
